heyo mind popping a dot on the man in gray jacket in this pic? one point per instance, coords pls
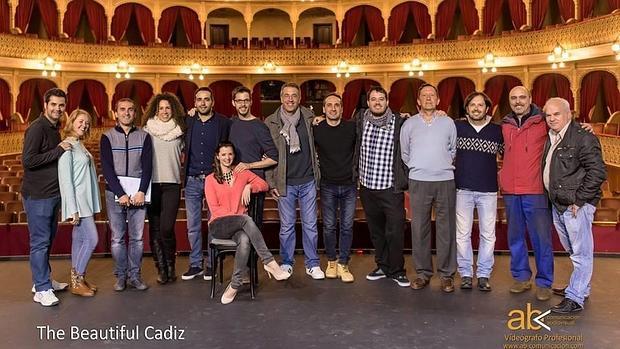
(295, 178)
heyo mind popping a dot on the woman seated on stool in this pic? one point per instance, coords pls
(228, 194)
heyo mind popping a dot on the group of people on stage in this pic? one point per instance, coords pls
(449, 166)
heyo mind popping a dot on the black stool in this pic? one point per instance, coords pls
(219, 249)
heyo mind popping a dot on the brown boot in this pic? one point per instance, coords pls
(90, 285)
(78, 287)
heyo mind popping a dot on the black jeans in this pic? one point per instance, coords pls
(385, 214)
(242, 230)
(162, 214)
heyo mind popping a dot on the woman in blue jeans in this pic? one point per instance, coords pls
(228, 195)
(80, 199)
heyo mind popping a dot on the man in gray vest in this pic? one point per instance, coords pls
(127, 151)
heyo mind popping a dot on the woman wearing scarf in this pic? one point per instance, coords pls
(164, 121)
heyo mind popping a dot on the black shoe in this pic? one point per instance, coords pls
(562, 292)
(192, 272)
(138, 284)
(172, 275)
(567, 306)
(401, 280)
(466, 283)
(208, 275)
(484, 285)
(375, 275)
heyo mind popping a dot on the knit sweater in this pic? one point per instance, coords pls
(225, 200)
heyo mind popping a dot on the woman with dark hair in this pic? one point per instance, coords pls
(164, 121)
(228, 194)
(80, 199)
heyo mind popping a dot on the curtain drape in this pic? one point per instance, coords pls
(98, 97)
(351, 95)
(183, 89)
(145, 21)
(448, 87)
(138, 90)
(612, 95)
(5, 15)
(191, 23)
(353, 19)
(399, 15)
(49, 15)
(567, 9)
(587, 8)
(222, 92)
(120, 20)
(499, 85)
(28, 91)
(590, 88)
(167, 23)
(23, 11)
(256, 108)
(398, 92)
(5, 105)
(517, 13)
(493, 10)
(445, 16)
(351, 23)
(94, 13)
(146, 24)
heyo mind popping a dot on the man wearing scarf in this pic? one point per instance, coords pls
(295, 178)
(383, 179)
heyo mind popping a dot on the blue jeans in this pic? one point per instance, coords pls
(83, 243)
(306, 195)
(194, 197)
(486, 205)
(575, 234)
(334, 197)
(126, 221)
(531, 212)
(42, 215)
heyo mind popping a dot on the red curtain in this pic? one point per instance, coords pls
(539, 11)
(183, 89)
(543, 85)
(445, 16)
(399, 15)
(94, 13)
(5, 15)
(256, 108)
(145, 21)
(28, 91)
(351, 95)
(353, 19)
(399, 89)
(499, 85)
(587, 7)
(614, 4)
(493, 10)
(447, 89)
(191, 24)
(222, 95)
(567, 9)
(138, 90)
(5, 105)
(49, 15)
(96, 94)
(590, 88)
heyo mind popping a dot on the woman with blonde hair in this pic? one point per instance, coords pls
(80, 198)
(164, 120)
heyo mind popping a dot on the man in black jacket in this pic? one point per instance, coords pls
(573, 171)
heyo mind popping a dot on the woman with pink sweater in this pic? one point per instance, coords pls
(228, 194)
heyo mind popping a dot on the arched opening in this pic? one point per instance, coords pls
(30, 99)
(183, 89)
(5, 106)
(455, 18)
(551, 12)
(179, 26)
(89, 95)
(222, 96)
(133, 24)
(503, 15)
(272, 28)
(316, 27)
(354, 97)
(452, 93)
(227, 28)
(409, 21)
(551, 85)
(599, 97)
(313, 93)
(362, 25)
(498, 89)
(404, 95)
(39, 18)
(139, 91)
(86, 20)
(266, 97)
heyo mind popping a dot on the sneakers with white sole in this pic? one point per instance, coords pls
(316, 273)
(287, 268)
(57, 286)
(46, 298)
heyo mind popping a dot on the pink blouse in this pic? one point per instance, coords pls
(225, 200)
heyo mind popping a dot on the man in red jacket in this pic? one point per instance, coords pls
(527, 207)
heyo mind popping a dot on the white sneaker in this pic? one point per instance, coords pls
(46, 298)
(287, 268)
(316, 273)
(57, 286)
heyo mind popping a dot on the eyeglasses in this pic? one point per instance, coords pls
(242, 101)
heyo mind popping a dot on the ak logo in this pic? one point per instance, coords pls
(528, 319)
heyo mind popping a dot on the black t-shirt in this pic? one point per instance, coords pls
(335, 146)
(299, 164)
(252, 139)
